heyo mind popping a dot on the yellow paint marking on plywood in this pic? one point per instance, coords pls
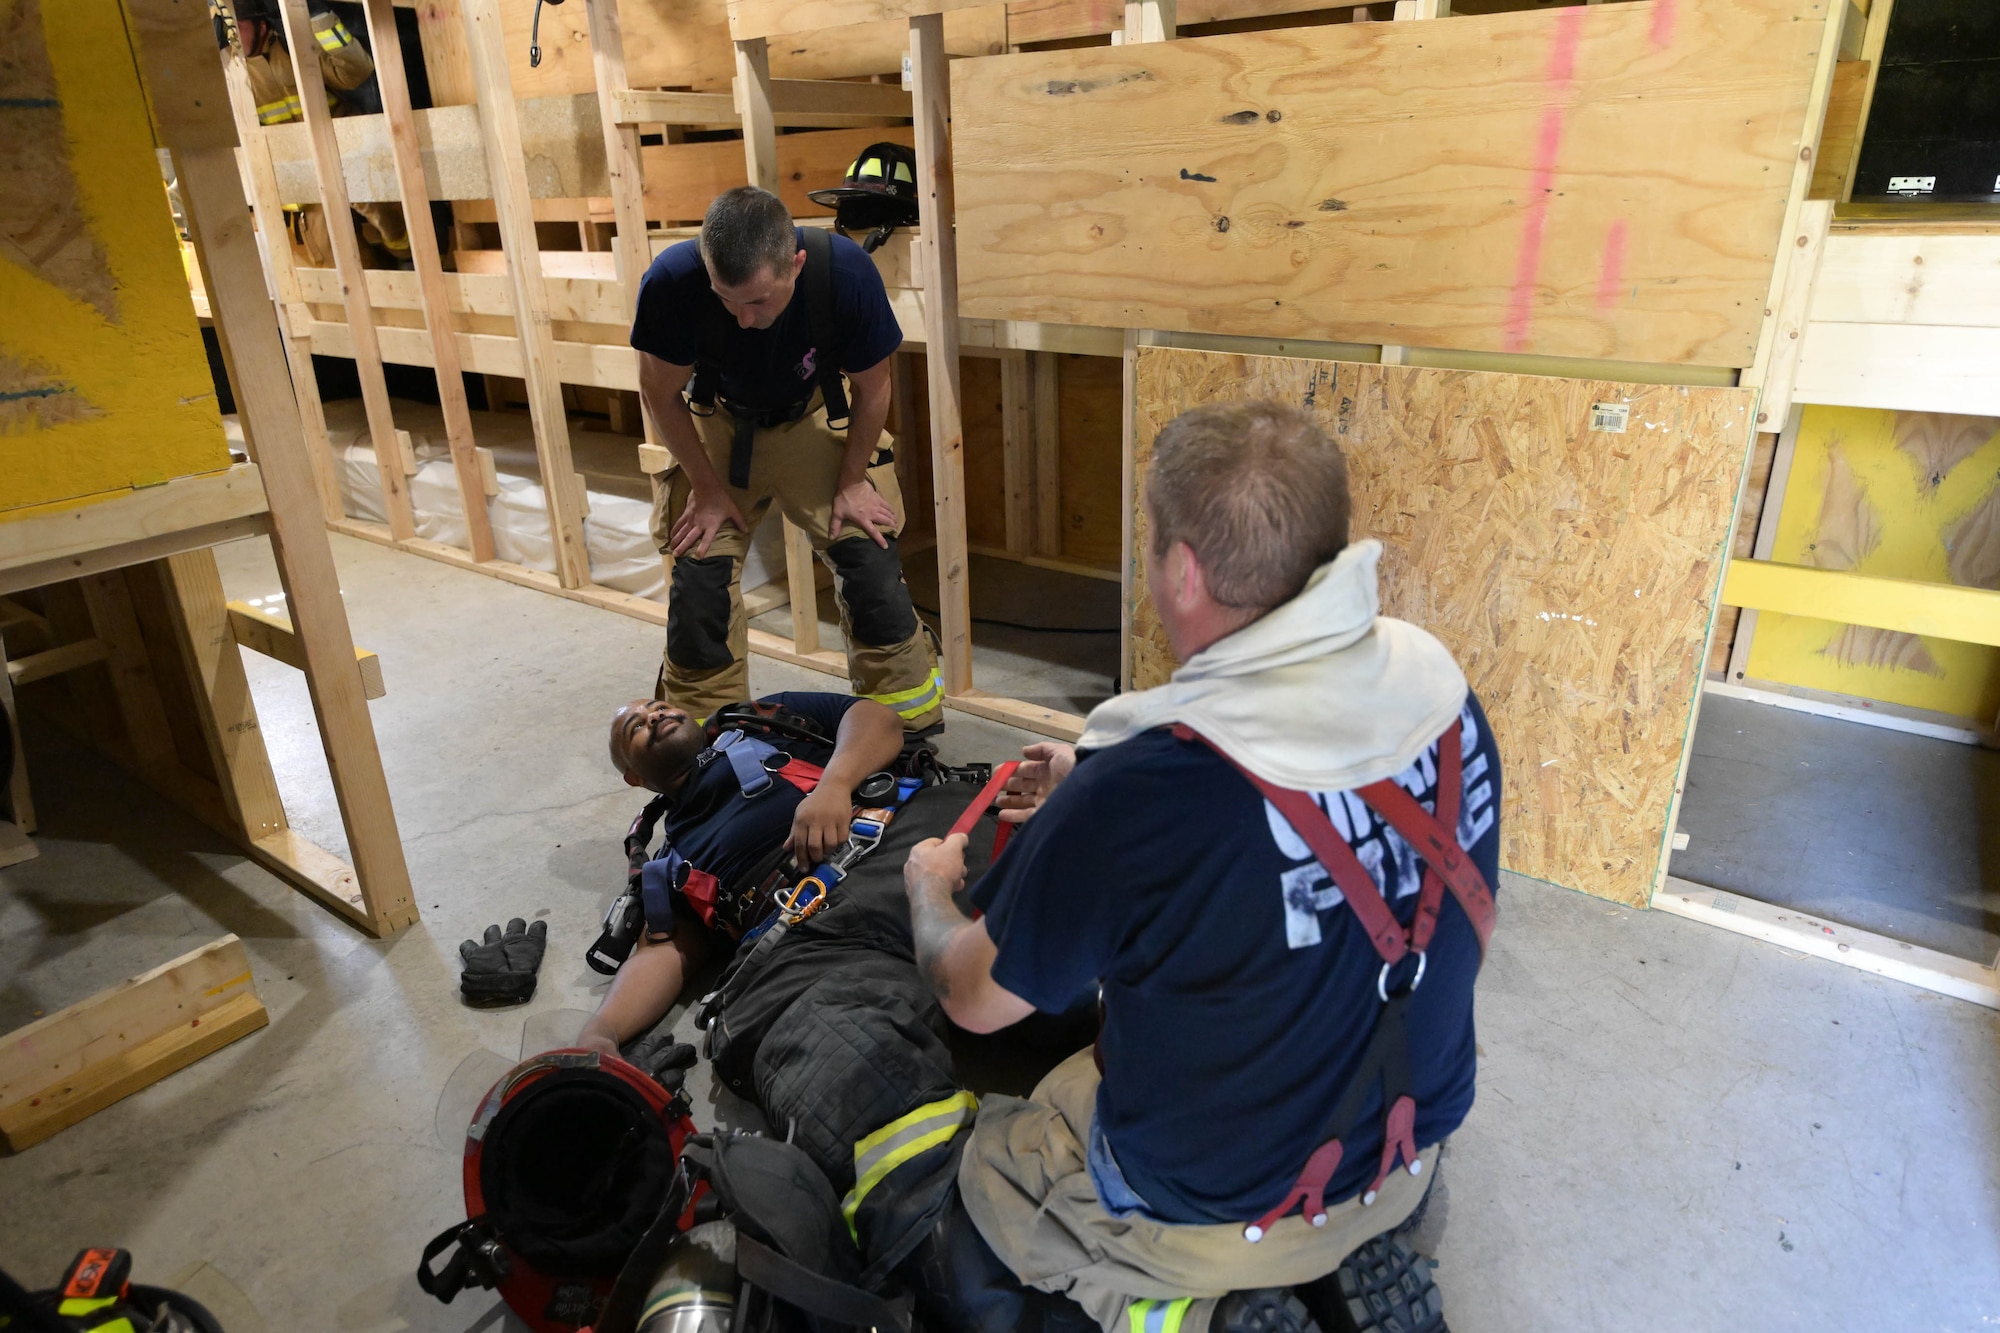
(145, 373)
(1898, 496)
(1934, 610)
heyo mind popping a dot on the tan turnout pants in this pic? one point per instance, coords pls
(1028, 1190)
(796, 467)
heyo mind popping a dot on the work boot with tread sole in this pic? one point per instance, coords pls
(1383, 1287)
(1264, 1310)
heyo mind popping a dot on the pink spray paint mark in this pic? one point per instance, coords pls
(1528, 264)
(1611, 274)
(1663, 22)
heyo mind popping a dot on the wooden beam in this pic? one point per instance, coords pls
(269, 210)
(932, 82)
(55, 661)
(112, 618)
(774, 18)
(184, 504)
(645, 106)
(507, 167)
(1940, 610)
(753, 103)
(219, 220)
(1873, 41)
(304, 46)
(836, 102)
(802, 588)
(1774, 403)
(1017, 451)
(19, 800)
(1048, 453)
(267, 632)
(426, 258)
(79, 1060)
(1149, 21)
(622, 161)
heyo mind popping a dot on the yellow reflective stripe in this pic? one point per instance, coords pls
(332, 37)
(871, 167)
(901, 1139)
(274, 113)
(1157, 1316)
(910, 702)
(903, 173)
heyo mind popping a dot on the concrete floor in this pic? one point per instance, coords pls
(1677, 1128)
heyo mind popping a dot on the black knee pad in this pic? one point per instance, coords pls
(872, 587)
(698, 613)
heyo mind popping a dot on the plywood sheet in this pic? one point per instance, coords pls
(1604, 181)
(1573, 572)
(1907, 495)
(103, 381)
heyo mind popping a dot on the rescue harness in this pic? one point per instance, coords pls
(1387, 1058)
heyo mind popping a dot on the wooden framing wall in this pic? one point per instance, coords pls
(109, 591)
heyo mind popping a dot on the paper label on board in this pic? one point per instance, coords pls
(1611, 418)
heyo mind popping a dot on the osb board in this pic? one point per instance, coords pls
(1572, 572)
(103, 381)
(1603, 181)
(1911, 495)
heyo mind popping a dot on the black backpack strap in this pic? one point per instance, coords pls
(815, 1293)
(817, 280)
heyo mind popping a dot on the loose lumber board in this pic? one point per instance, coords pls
(1573, 573)
(1606, 181)
(75, 1062)
(103, 382)
(776, 18)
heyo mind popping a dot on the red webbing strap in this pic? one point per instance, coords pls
(1302, 812)
(1436, 839)
(987, 795)
(800, 774)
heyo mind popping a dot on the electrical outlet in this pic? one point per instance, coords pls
(1912, 184)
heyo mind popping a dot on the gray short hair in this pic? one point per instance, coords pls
(1258, 493)
(747, 230)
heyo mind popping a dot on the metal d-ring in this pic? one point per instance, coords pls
(1382, 979)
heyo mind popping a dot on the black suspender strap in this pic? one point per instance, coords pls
(817, 280)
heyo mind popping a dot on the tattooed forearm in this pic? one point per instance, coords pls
(934, 922)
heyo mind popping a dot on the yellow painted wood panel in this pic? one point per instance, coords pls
(103, 382)
(1906, 606)
(1604, 181)
(1573, 572)
(1895, 496)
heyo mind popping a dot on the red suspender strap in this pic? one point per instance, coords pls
(1302, 812)
(800, 774)
(1436, 839)
(980, 804)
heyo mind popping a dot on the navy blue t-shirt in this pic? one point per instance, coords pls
(712, 826)
(1238, 994)
(681, 321)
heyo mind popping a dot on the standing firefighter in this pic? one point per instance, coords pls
(744, 337)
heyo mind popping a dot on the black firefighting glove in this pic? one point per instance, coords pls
(666, 1059)
(501, 970)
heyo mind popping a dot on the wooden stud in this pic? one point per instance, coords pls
(1048, 453)
(347, 260)
(271, 228)
(1910, 606)
(425, 257)
(212, 191)
(1149, 21)
(1017, 445)
(79, 1060)
(448, 65)
(271, 634)
(753, 104)
(932, 84)
(1764, 541)
(20, 801)
(66, 538)
(1872, 43)
(1806, 243)
(56, 661)
(634, 252)
(803, 588)
(507, 167)
(109, 602)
